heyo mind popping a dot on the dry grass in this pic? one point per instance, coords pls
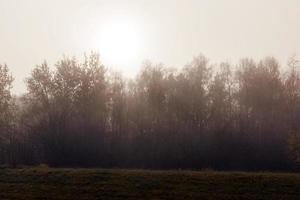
(89, 184)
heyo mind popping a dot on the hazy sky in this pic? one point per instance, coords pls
(169, 31)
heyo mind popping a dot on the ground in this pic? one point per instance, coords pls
(90, 184)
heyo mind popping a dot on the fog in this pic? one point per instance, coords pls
(172, 32)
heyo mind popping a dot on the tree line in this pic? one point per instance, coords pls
(204, 115)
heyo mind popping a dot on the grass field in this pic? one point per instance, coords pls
(90, 184)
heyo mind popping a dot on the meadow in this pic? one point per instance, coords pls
(92, 184)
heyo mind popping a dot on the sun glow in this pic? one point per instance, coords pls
(119, 43)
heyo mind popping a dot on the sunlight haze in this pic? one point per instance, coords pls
(126, 33)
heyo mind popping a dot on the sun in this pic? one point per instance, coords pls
(119, 42)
